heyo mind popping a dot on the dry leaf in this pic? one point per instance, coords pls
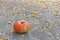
(43, 21)
(1, 38)
(54, 22)
(48, 2)
(34, 15)
(35, 12)
(46, 28)
(11, 31)
(54, 4)
(14, 7)
(28, 16)
(36, 2)
(21, 19)
(5, 38)
(1, 14)
(36, 24)
(44, 5)
(54, 12)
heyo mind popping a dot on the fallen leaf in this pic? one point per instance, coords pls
(28, 16)
(36, 2)
(46, 28)
(44, 5)
(1, 14)
(1, 38)
(54, 22)
(35, 12)
(5, 38)
(43, 21)
(55, 11)
(35, 16)
(11, 31)
(48, 2)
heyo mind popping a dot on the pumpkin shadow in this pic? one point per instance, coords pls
(20, 33)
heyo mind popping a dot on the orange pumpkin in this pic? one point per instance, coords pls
(21, 26)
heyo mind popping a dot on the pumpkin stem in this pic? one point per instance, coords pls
(22, 22)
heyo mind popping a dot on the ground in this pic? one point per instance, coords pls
(43, 16)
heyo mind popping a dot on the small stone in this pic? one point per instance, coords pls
(3, 34)
(9, 22)
(27, 10)
(22, 36)
(57, 37)
(23, 9)
(15, 39)
(50, 33)
(0, 33)
(37, 6)
(57, 34)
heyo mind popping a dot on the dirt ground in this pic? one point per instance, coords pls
(44, 18)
